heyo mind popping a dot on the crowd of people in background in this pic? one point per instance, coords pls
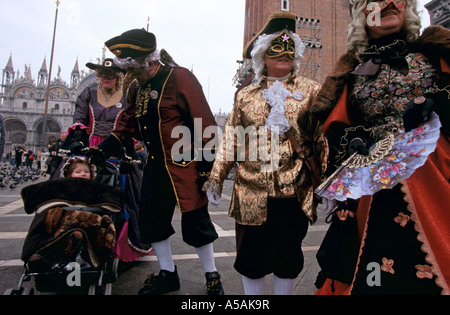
(21, 156)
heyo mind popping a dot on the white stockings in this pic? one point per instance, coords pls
(280, 286)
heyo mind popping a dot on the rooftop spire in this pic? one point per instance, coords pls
(9, 65)
(76, 68)
(44, 65)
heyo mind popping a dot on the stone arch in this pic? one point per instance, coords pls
(59, 93)
(16, 133)
(89, 81)
(25, 91)
(54, 129)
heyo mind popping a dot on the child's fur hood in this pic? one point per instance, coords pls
(77, 191)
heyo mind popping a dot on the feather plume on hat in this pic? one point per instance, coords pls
(167, 59)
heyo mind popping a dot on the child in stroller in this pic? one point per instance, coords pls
(79, 167)
(72, 225)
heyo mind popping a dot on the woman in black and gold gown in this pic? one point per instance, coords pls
(390, 81)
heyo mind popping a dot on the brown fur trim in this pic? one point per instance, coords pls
(74, 191)
(435, 44)
(333, 86)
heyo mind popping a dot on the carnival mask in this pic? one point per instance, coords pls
(378, 6)
(280, 45)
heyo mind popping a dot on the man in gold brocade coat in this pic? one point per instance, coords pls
(270, 134)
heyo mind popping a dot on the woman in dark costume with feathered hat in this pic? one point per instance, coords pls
(97, 108)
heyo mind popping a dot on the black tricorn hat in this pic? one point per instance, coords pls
(108, 64)
(277, 22)
(132, 43)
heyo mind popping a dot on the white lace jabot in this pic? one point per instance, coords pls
(276, 96)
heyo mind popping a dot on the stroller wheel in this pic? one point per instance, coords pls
(22, 291)
(92, 289)
(112, 270)
(115, 269)
(9, 292)
(28, 291)
(97, 290)
(108, 289)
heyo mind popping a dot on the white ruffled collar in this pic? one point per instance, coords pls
(276, 96)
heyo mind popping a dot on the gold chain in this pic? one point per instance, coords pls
(446, 89)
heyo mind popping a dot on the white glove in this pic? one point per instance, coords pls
(329, 205)
(213, 196)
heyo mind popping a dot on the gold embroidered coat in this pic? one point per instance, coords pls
(252, 186)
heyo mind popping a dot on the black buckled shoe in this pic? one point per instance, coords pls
(162, 283)
(213, 284)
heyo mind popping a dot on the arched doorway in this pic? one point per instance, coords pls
(16, 134)
(51, 135)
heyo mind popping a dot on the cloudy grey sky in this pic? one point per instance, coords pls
(206, 35)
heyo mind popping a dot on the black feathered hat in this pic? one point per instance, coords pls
(277, 22)
(108, 64)
(132, 43)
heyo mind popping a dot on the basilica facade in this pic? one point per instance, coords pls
(22, 104)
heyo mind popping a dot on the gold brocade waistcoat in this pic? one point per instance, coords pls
(258, 179)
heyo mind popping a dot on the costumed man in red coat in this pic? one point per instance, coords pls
(167, 110)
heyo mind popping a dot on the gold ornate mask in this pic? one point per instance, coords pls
(280, 45)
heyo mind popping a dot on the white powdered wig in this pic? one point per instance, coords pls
(358, 38)
(138, 62)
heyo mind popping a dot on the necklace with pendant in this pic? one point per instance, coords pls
(107, 99)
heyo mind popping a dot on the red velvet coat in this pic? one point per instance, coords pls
(180, 100)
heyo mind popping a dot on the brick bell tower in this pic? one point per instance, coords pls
(322, 25)
(439, 11)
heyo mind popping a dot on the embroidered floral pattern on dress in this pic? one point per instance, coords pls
(424, 271)
(387, 265)
(402, 219)
(383, 100)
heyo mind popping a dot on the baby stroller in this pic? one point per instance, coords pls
(70, 244)
(122, 171)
